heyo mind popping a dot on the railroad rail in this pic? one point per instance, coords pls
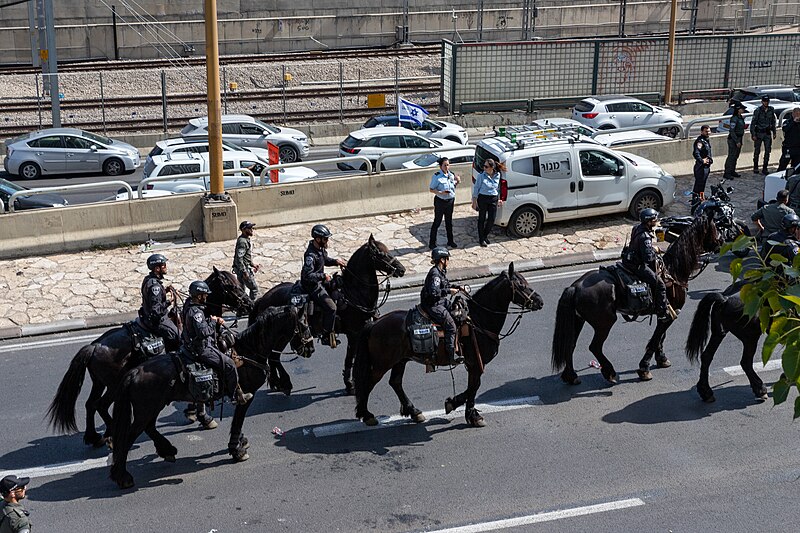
(323, 55)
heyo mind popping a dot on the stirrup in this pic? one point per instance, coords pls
(241, 397)
(329, 339)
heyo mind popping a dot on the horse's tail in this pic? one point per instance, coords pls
(564, 337)
(362, 369)
(61, 413)
(699, 330)
(123, 415)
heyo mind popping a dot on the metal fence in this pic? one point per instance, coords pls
(506, 74)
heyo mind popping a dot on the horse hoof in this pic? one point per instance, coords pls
(191, 415)
(644, 375)
(349, 388)
(287, 391)
(169, 458)
(211, 424)
(762, 397)
(449, 406)
(663, 363)
(371, 421)
(476, 421)
(126, 483)
(571, 380)
(244, 443)
(709, 399)
(611, 377)
(418, 417)
(238, 454)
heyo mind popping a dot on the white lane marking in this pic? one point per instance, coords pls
(544, 517)
(60, 468)
(772, 364)
(47, 343)
(341, 428)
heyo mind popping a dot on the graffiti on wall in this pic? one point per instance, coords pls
(620, 63)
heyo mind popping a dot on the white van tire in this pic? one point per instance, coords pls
(647, 198)
(525, 222)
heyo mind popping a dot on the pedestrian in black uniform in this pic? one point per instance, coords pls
(702, 165)
(735, 139)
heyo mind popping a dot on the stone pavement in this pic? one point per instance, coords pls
(101, 287)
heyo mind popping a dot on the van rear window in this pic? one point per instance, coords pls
(583, 106)
(156, 151)
(351, 142)
(481, 155)
(187, 129)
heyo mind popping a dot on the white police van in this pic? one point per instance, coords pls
(556, 174)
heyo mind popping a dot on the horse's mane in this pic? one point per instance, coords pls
(681, 258)
(260, 335)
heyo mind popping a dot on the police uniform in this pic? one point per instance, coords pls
(434, 302)
(771, 216)
(790, 149)
(311, 277)
(793, 186)
(243, 265)
(702, 150)
(786, 246)
(443, 203)
(199, 339)
(153, 313)
(735, 140)
(14, 518)
(641, 258)
(762, 127)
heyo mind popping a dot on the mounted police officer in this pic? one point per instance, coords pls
(199, 339)
(769, 217)
(153, 313)
(702, 165)
(787, 240)
(735, 140)
(312, 275)
(434, 299)
(763, 130)
(243, 265)
(641, 259)
(14, 517)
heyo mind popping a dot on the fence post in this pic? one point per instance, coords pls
(453, 79)
(38, 101)
(726, 80)
(283, 90)
(102, 101)
(596, 67)
(341, 91)
(397, 87)
(225, 89)
(164, 99)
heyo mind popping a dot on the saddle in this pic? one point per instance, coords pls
(424, 334)
(146, 344)
(633, 296)
(298, 296)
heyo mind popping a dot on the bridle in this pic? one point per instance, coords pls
(523, 309)
(376, 254)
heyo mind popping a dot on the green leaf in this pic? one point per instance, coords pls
(769, 346)
(780, 391)
(764, 317)
(751, 307)
(753, 274)
(725, 248)
(778, 259)
(777, 325)
(742, 242)
(736, 267)
(791, 363)
(794, 299)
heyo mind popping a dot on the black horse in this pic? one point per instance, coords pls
(384, 346)
(358, 305)
(146, 389)
(593, 299)
(721, 313)
(109, 356)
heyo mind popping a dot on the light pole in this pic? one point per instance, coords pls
(214, 101)
(671, 52)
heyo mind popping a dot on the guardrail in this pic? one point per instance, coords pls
(704, 94)
(192, 175)
(315, 162)
(63, 188)
(421, 152)
(2, 206)
(529, 105)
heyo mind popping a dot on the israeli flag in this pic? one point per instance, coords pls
(411, 112)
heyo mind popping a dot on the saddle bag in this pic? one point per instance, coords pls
(421, 333)
(639, 298)
(202, 382)
(144, 342)
(634, 295)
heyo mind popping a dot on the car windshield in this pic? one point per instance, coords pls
(426, 160)
(232, 147)
(440, 124)
(271, 129)
(96, 138)
(9, 187)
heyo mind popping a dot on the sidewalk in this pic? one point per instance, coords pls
(101, 287)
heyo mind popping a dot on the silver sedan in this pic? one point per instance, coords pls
(68, 151)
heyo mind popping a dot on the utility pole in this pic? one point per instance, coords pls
(673, 14)
(479, 25)
(214, 101)
(34, 35)
(49, 56)
(622, 15)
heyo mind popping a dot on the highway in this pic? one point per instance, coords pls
(553, 458)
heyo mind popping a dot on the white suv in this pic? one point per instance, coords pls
(618, 111)
(437, 129)
(195, 146)
(566, 176)
(400, 143)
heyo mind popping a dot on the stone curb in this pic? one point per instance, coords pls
(416, 280)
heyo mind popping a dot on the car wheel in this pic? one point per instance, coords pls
(525, 222)
(644, 200)
(30, 171)
(288, 154)
(113, 167)
(670, 132)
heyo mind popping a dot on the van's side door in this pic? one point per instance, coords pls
(603, 182)
(554, 185)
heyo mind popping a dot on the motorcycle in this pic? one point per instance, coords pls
(720, 207)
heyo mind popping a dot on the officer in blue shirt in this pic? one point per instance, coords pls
(443, 185)
(486, 198)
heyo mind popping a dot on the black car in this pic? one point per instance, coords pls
(34, 201)
(786, 93)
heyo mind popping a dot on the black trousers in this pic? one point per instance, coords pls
(788, 155)
(701, 172)
(767, 140)
(487, 211)
(733, 157)
(441, 316)
(647, 275)
(167, 330)
(223, 364)
(442, 208)
(328, 307)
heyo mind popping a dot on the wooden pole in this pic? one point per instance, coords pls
(671, 54)
(214, 100)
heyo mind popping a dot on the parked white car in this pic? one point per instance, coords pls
(610, 139)
(436, 129)
(399, 143)
(612, 111)
(568, 176)
(456, 157)
(195, 146)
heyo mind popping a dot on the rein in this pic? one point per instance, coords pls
(387, 288)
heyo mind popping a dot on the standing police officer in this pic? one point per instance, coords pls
(702, 165)
(790, 149)
(313, 274)
(641, 259)
(199, 339)
(153, 313)
(735, 139)
(434, 299)
(762, 129)
(443, 185)
(14, 517)
(243, 265)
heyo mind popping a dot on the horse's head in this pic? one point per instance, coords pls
(383, 260)
(226, 290)
(522, 293)
(302, 341)
(712, 239)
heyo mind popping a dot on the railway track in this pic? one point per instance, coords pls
(324, 55)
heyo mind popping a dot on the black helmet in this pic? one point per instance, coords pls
(155, 260)
(790, 221)
(646, 215)
(737, 105)
(199, 287)
(439, 252)
(320, 230)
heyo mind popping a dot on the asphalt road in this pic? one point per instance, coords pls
(553, 458)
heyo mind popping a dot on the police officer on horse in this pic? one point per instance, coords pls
(787, 240)
(434, 299)
(312, 276)
(640, 258)
(153, 313)
(199, 339)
